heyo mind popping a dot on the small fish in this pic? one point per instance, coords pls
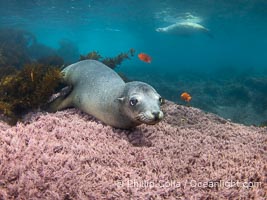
(186, 97)
(144, 57)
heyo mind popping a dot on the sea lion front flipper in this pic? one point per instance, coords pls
(60, 100)
(207, 31)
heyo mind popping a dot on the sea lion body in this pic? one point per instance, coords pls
(99, 91)
(184, 28)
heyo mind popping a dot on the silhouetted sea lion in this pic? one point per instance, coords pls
(184, 28)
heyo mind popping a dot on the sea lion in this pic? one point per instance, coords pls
(184, 28)
(99, 91)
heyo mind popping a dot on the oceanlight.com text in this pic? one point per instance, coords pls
(189, 183)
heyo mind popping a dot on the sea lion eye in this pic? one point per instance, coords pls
(133, 102)
(161, 101)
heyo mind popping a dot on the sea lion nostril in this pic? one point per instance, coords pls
(156, 114)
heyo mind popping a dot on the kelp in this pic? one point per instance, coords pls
(110, 62)
(27, 89)
(94, 55)
(4, 71)
(24, 84)
(113, 62)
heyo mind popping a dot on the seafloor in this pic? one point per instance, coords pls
(189, 155)
(239, 97)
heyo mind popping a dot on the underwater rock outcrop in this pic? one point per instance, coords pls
(20, 47)
(14, 46)
(189, 155)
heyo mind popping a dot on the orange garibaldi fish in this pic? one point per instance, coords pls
(186, 97)
(144, 57)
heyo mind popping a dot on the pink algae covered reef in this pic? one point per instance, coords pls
(191, 154)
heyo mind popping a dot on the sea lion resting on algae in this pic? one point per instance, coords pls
(99, 91)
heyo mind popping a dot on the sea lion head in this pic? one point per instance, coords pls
(141, 103)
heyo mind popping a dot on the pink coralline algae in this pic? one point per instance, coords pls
(189, 155)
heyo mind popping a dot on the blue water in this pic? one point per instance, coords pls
(195, 62)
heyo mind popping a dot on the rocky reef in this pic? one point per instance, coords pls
(189, 155)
